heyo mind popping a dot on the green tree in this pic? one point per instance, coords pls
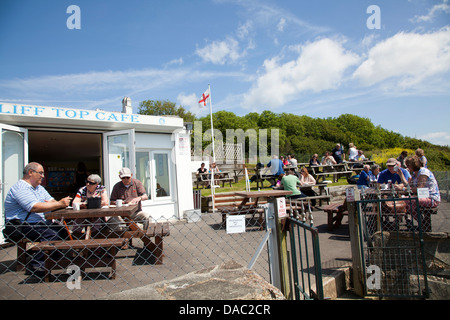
(164, 108)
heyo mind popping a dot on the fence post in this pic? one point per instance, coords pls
(284, 256)
(353, 222)
(280, 261)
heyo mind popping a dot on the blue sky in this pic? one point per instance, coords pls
(317, 58)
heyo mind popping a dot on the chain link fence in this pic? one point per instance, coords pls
(112, 262)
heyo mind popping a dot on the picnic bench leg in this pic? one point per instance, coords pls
(159, 250)
(113, 263)
(154, 248)
(21, 255)
(330, 220)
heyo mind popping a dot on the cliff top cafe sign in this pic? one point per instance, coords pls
(66, 115)
(63, 113)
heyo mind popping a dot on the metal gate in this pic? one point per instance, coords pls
(306, 268)
(392, 245)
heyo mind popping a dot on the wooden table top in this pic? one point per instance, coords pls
(111, 211)
(263, 194)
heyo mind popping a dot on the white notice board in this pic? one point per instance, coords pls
(236, 223)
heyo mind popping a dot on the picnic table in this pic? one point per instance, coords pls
(321, 171)
(261, 175)
(205, 178)
(85, 248)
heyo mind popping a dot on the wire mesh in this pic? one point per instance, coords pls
(392, 228)
(116, 259)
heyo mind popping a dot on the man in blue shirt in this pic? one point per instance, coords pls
(391, 173)
(276, 166)
(363, 181)
(26, 204)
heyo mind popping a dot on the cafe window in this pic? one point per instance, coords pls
(154, 171)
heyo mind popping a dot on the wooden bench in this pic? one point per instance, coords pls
(159, 230)
(81, 253)
(335, 212)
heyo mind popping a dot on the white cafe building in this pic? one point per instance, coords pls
(155, 148)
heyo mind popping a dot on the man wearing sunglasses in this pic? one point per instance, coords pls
(25, 206)
(131, 191)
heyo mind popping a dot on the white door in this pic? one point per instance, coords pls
(118, 152)
(14, 156)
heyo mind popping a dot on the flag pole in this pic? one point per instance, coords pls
(212, 127)
(213, 189)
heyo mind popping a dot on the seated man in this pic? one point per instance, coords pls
(26, 204)
(364, 177)
(131, 191)
(289, 182)
(391, 174)
(276, 169)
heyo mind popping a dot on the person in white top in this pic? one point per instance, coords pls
(308, 180)
(352, 152)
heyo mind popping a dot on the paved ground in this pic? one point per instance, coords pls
(190, 247)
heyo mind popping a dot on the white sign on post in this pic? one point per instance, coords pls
(350, 194)
(423, 193)
(281, 204)
(236, 223)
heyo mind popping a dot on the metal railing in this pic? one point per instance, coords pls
(306, 266)
(392, 246)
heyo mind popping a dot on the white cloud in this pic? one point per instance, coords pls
(407, 58)
(320, 66)
(190, 102)
(281, 24)
(220, 52)
(440, 138)
(433, 12)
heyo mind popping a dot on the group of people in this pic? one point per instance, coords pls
(213, 169)
(27, 201)
(415, 175)
(337, 155)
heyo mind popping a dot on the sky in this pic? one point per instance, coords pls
(385, 60)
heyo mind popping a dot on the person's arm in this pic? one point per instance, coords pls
(105, 200)
(50, 205)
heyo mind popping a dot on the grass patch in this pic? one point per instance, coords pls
(240, 186)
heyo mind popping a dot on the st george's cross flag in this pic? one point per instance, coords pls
(204, 99)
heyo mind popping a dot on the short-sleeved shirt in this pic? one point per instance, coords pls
(134, 190)
(290, 183)
(362, 181)
(82, 192)
(431, 183)
(20, 200)
(386, 175)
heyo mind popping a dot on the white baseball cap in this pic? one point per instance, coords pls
(124, 172)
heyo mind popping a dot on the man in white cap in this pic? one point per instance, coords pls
(391, 173)
(131, 191)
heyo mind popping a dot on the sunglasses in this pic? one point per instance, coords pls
(90, 182)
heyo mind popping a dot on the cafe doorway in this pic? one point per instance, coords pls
(60, 152)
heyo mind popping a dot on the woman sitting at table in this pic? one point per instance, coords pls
(92, 189)
(421, 177)
(199, 172)
(308, 180)
(314, 161)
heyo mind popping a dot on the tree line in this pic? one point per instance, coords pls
(303, 135)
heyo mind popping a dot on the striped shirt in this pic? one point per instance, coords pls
(20, 200)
